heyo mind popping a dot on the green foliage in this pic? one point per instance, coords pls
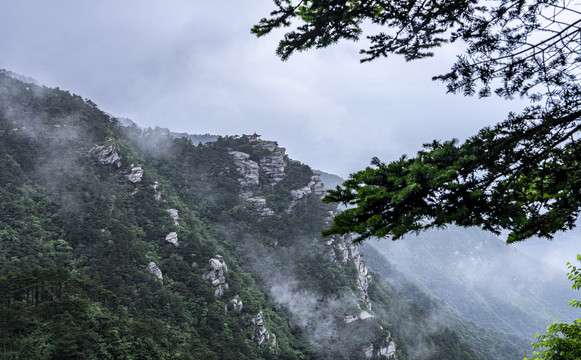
(562, 340)
(517, 176)
(521, 175)
(76, 237)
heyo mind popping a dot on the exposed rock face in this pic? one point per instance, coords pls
(362, 276)
(363, 315)
(157, 195)
(217, 275)
(301, 193)
(175, 216)
(386, 350)
(107, 155)
(236, 304)
(318, 187)
(135, 175)
(315, 186)
(342, 249)
(260, 205)
(273, 165)
(248, 168)
(172, 238)
(261, 333)
(368, 350)
(152, 268)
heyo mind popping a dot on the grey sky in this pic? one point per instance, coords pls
(193, 66)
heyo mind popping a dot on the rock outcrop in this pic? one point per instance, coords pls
(172, 238)
(362, 275)
(385, 350)
(363, 315)
(260, 205)
(216, 275)
(107, 155)
(152, 268)
(318, 187)
(135, 175)
(315, 186)
(261, 334)
(342, 249)
(157, 195)
(235, 303)
(175, 216)
(248, 169)
(274, 164)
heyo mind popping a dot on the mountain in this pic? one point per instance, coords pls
(124, 243)
(483, 279)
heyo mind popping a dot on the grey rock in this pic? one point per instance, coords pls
(135, 175)
(315, 186)
(217, 274)
(152, 268)
(216, 264)
(172, 238)
(175, 216)
(236, 303)
(247, 168)
(261, 334)
(273, 165)
(157, 195)
(219, 291)
(107, 155)
(368, 350)
(260, 205)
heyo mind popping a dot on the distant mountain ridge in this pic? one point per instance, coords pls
(483, 279)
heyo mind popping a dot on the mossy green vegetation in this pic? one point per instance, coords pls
(87, 270)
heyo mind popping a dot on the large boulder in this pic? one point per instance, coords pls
(135, 175)
(154, 269)
(216, 274)
(107, 155)
(172, 238)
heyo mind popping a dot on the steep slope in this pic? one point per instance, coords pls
(118, 242)
(483, 279)
(486, 343)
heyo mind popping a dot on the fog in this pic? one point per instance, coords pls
(493, 284)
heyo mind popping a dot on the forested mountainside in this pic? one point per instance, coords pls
(123, 243)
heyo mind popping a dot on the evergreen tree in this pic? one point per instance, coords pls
(522, 174)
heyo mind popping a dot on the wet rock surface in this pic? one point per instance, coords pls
(154, 269)
(107, 155)
(216, 275)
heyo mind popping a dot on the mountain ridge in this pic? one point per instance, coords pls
(121, 242)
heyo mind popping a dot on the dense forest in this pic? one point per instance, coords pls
(118, 242)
